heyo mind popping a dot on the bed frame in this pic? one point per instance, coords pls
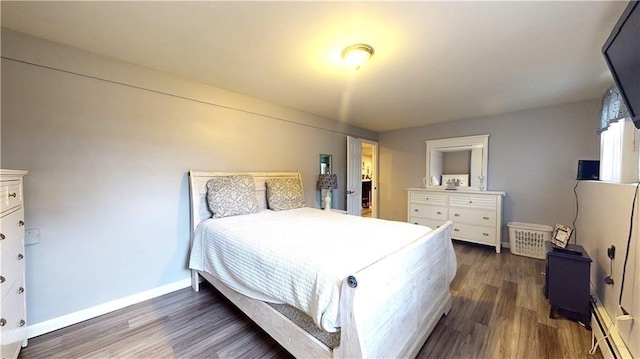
(387, 310)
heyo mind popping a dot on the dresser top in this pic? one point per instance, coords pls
(12, 173)
(452, 191)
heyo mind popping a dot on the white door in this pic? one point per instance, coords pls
(354, 176)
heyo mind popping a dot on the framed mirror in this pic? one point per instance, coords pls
(461, 160)
(325, 164)
(326, 167)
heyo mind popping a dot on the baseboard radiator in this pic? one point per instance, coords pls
(612, 347)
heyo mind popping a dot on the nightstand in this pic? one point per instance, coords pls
(567, 282)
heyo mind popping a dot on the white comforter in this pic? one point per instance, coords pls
(298, 257)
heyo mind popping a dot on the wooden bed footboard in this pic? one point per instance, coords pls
(389, 309)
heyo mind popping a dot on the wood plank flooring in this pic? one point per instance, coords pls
(498, 311)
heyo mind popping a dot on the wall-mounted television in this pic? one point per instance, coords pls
(622, 54)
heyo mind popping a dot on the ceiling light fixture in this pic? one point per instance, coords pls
(356, 55)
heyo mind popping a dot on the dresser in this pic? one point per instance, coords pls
(13, 323)
(476, 215)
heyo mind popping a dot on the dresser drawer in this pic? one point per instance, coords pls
(477, 234)
(471, 201)
(426, 211)
(428, 198)
(13, 276)
(473, 216)
(13, 315)
(10, 194)
(431, 223)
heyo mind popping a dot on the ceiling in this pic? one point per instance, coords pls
(433, 62)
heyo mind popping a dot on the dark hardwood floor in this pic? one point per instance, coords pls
(498, 311)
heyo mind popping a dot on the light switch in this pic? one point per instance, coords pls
(32, 236)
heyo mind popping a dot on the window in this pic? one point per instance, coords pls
(619, 152)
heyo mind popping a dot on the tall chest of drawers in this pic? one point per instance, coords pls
(476, 215)
(13, 323)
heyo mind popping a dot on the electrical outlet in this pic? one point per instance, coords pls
(611, 252)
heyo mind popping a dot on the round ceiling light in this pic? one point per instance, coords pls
(356, 55)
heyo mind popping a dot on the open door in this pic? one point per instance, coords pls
(354, 176)
(362, 186)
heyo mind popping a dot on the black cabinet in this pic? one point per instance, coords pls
(567, 282)
(366, 193)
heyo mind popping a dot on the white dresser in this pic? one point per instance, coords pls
(13, 323)
(476, 215)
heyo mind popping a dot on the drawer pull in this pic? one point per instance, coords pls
(416, 210)
(3, 322)
(470, 201)
(20, 290)
(22, 322)
(21, 223)
(2, 280)
(485, 218)
(456, 230)
(2, 236)
(457, 215)
(485, 234)
(14, 195)
(20, 256)
(415, 222)
(439, 212)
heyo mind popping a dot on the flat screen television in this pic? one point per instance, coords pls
(622, 54)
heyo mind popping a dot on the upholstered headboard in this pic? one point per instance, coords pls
(198, 190)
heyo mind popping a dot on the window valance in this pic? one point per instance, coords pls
(612, 109)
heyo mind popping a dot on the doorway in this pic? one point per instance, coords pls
(362, 177)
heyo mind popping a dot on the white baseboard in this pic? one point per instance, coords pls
(34, 330)
(612, 347)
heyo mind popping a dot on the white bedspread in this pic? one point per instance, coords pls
(298, 257)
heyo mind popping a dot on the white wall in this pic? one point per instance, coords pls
(604, 220)
(108, 146)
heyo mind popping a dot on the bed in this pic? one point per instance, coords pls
(386, 308)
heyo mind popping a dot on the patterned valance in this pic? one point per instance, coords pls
(612, 110)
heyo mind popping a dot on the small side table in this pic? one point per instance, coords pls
(567, 281)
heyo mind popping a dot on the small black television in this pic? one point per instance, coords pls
(622, 54)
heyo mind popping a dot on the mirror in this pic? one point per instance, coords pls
(458, 159)
(325, 164)
(325, 168)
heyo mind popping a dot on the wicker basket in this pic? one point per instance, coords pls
(527, 239)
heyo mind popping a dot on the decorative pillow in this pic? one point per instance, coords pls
(284, 193)
(232, 196)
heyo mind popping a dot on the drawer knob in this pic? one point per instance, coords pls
(457, 215)
(485, 234)
(3, 322)
(2, 280)
(2, 236)
(415, 222)
(14, 195)
(439, 212)
(21, 223)
(470, 201)
(22, 322)
(485, 218)
(20, 256)
(456, 230)
(416, 210)
(20, 290)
